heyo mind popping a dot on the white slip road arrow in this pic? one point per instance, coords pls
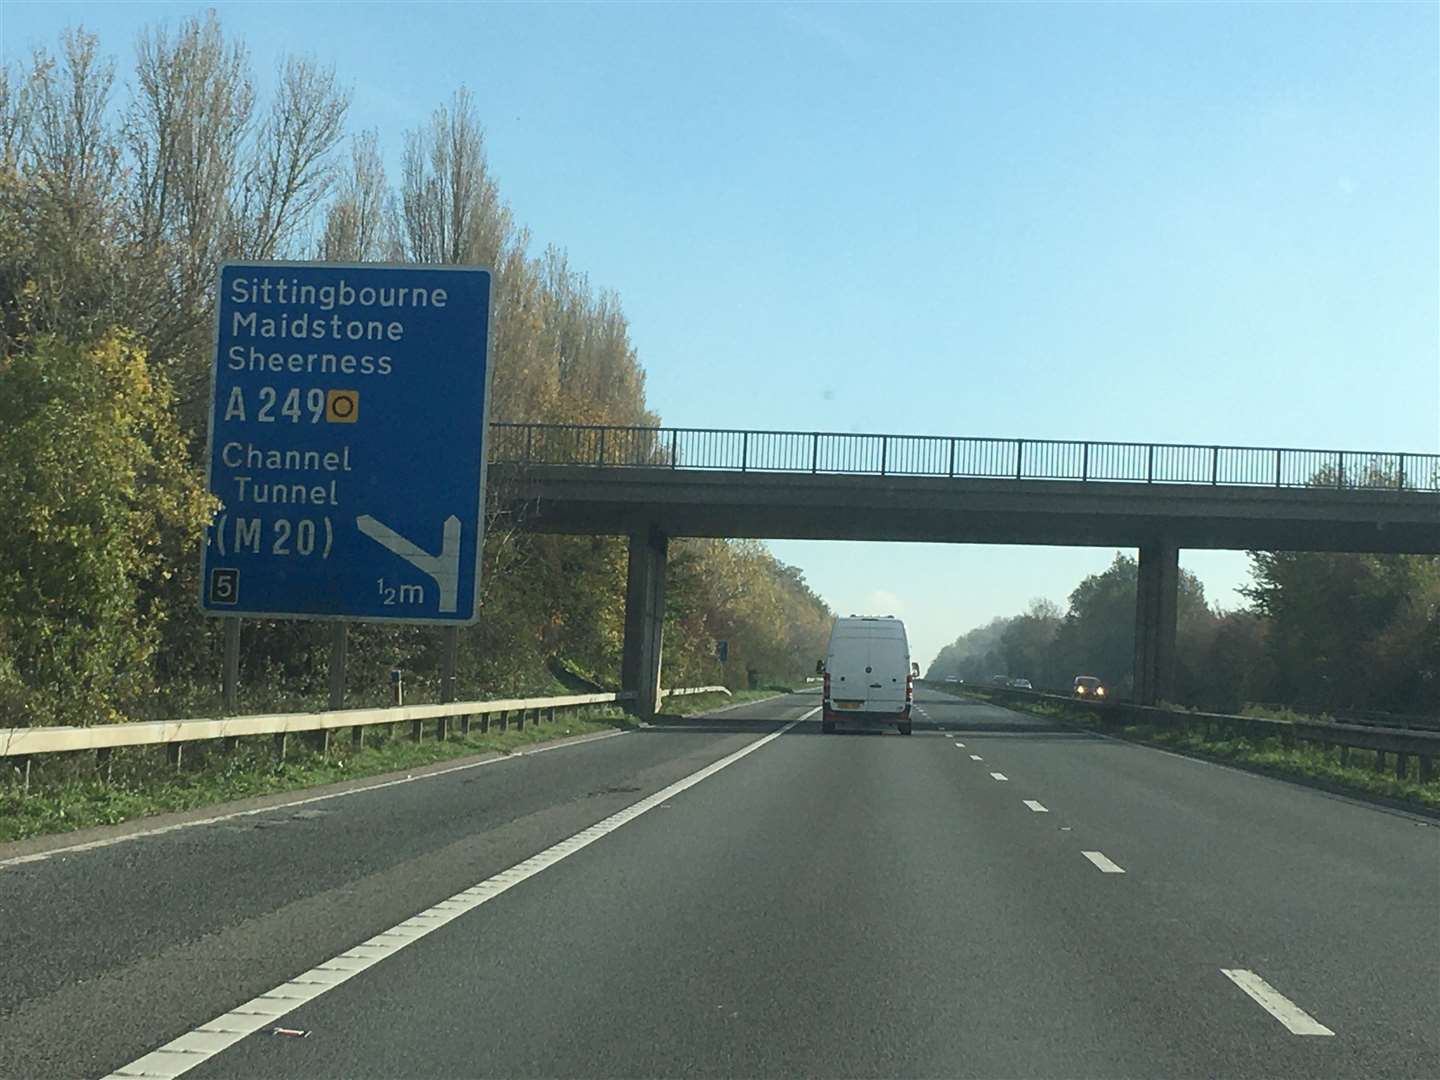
(444, 568)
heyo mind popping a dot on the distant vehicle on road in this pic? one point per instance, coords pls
(1021, 684)
(1089, 686)
(952, 678)
(999, 680)
(869, 677)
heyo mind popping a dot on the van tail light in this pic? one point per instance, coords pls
(909, 688)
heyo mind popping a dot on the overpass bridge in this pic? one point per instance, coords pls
(651, 484)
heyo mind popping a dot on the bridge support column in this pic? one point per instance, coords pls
(644, 621)
(1157, 594)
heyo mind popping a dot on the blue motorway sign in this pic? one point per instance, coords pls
(347, 442)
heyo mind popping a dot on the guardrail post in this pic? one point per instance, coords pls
(357, 738)
(520, 719)
(952, 458)
(550, 714)
(600, 448)
(279, 743)
(1379, 760)
(1427, 768)
(1402, 472)
(417, 730)
(173, 753)
(675, 449)
(1277, 468)
(529, 439)
(504, 715)
(815, 452)
(1344, 756)
(1340, 471)
(1085, 461)
(103, 763)
(744, 450)
(1150, 464)
(1214, 465)
(1402, 765)
(884, 452)
(1019, 457)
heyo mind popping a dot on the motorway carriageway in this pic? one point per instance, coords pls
(738, 895)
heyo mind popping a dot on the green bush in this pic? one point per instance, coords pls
(94, 474)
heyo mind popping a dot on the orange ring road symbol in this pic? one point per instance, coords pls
(342, 406)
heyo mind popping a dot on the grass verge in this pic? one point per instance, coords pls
(1354, 773)
(68, 791)
(691, 704)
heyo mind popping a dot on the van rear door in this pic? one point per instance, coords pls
(846, 664)
(889, 665)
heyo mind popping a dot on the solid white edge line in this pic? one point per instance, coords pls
(1296, 1019)
(181, 1055)
(91, 845)
(999, 776)
(1105, 865)
(1033, 805)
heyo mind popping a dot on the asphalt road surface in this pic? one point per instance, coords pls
(739, 895)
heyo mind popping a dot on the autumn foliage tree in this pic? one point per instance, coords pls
(114, 217)
(97, 494)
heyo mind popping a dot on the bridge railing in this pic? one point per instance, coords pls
(960, 457)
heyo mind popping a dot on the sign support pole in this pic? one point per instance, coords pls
(449, 647)
(338, 639)
(449, 652)
(230, 677)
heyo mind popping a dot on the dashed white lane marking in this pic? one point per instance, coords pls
(1102, 862)
(91, 845)
(959, 746)
(1296, 1019)
(999, 776)
(183, 1054)
(1033, 805)
(976, 757)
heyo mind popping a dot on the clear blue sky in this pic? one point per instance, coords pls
(1209, 223)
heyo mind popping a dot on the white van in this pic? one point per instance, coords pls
(868, 674)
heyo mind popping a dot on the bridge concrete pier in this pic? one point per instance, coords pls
(1157, 595)
(644, 620)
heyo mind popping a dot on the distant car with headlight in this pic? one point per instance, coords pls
(1021, 684)
(1089, 686)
